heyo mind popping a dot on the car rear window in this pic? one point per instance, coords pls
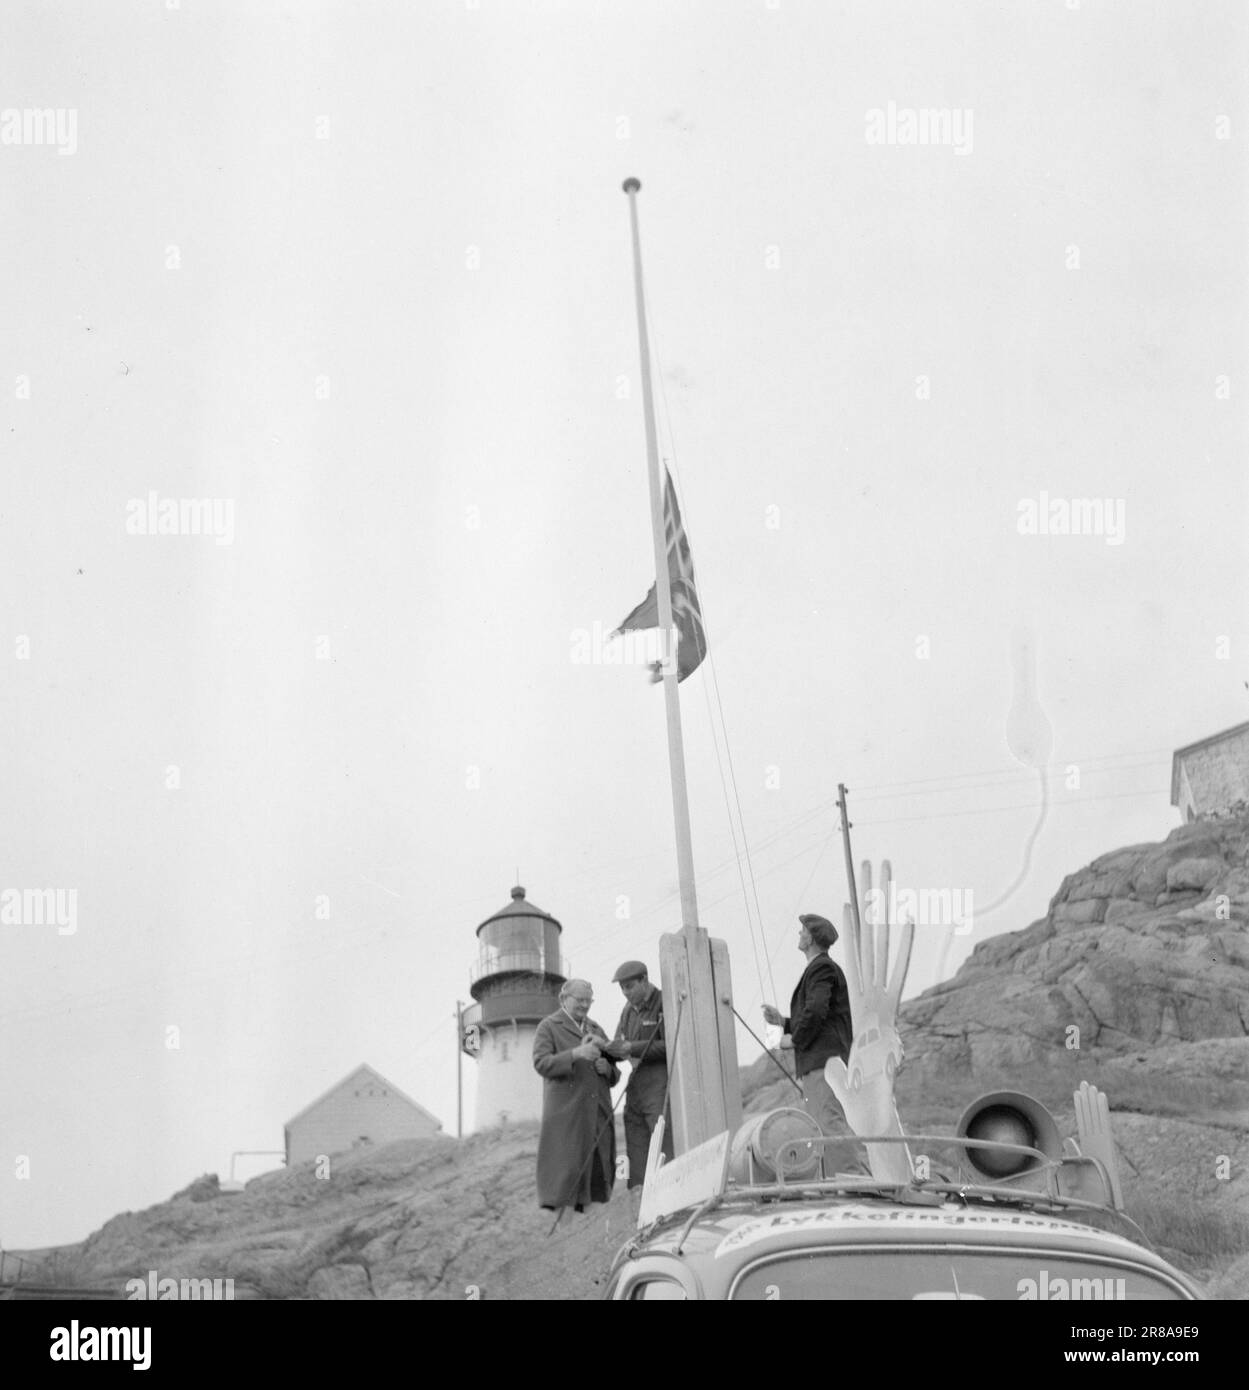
(667, 1289)
(939, 1274)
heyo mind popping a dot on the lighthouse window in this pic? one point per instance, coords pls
(503, 1051)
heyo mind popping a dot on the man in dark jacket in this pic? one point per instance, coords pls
(819, 1021)
(577, 1146)
(640, 1041)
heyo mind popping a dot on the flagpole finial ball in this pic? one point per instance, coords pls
(631, 185)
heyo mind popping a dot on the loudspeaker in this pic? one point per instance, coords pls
(755, 1145)
(1008, 1117)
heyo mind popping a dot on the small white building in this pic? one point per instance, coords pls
(1212, 774)
(364, 1108)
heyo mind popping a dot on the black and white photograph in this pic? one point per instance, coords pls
(624, 663)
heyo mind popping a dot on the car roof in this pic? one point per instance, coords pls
(755, 1226)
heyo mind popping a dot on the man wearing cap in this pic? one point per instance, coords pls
(640, 1041)
(819, 1020)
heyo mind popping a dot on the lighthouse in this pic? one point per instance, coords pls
(515, 984)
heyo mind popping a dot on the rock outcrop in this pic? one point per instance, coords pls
(1146, 945)
(419, 1219)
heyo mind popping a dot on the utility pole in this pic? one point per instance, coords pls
(459, 1070)
(845, 839)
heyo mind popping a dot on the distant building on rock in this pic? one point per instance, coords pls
(515, 985)
(1212, 775)
(364, 1108)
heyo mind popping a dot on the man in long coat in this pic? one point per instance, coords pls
(577, 1147)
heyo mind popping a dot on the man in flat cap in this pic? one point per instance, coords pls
(577, 1145)
(819, 1020)
(639, 1040)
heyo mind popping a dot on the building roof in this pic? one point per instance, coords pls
(1234, 732)
(520, 907)
(364, 1070)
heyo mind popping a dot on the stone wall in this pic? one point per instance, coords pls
(1217, 775)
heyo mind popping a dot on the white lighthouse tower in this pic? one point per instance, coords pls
(515, 985)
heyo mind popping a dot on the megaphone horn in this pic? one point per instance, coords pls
(1008, 1117)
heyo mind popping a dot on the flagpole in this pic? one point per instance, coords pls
(705, 1089)
(672, 701)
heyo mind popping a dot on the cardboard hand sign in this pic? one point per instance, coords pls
(864, 1084)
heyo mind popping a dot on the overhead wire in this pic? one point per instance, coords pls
(756, 927)
(789, 827)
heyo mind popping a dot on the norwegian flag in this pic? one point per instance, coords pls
(686, 613)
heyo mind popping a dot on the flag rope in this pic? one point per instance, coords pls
(754, 926)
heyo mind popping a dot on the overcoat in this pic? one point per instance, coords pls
(577, 1147)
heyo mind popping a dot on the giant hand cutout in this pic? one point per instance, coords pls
(864, 1085)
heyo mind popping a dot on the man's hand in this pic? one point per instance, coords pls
(773, 1016)
(618, 1049)
(603, 1067)
(587, 1052)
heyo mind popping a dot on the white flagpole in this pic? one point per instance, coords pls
(697, 985)
(676, 747)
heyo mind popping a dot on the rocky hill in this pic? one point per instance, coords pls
(1137, 979)
(1146, 946)
(428, 1218)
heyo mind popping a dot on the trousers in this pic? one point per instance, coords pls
(639, 1125)
(825, 1109)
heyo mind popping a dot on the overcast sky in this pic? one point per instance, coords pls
(360, 273)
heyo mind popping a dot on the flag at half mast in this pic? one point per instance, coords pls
(686, 613)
